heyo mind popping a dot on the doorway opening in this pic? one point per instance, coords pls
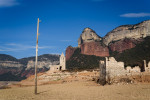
(60, 68)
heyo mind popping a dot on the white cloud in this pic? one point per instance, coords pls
(135, 15)
(8, 3)
(21, 47)
(46, 47)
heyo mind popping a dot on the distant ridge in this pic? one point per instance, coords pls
(5, 57)
(12, 69)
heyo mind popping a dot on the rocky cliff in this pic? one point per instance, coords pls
(124, 44)
(120, 39)
(88, 35)
(22, 68)
(136, 31)
(91, 44)
(42, 66)
(94, 48)
(69, 52)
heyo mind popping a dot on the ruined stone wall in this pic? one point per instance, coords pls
(63, 62)
(54, 68)
(61, 66)
(147, 68)
(134, 70)
(114, 68)
(102, 77)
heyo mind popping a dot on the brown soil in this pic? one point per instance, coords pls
(87, 90)
(78, 86)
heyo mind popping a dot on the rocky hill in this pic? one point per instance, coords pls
(117, 41)
(17, 69)
(4, 57)
(135, 56)
(88, 35)
(137, 31)
(79, 61)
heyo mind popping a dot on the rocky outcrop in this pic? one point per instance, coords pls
(41, 64)
(137, 31)
(69, 52)
(88, 35)
(94, 48)
(121, 38)
(124, 44)
(91, 44)
(21, 68)
(10, 66)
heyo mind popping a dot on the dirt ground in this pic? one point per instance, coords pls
(77, 90)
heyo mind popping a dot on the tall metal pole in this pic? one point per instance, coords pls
(36, 57)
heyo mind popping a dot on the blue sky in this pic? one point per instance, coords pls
(62, 22)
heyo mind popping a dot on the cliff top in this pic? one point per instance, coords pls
(129, 26)
(88, 35)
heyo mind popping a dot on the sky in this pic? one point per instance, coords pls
(62, 22)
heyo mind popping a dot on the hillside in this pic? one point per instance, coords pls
(12, 69)
(136, 55)
(136, 31)
(79, 61)
(44, 57)
(127, 43)
(4, 57)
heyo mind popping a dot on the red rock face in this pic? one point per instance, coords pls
(123, 45)
(69, 52)
(94, 48)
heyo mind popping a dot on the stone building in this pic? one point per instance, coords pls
(146, 66)
(110, 68)
(136, 69)
(114, 68)
(61, 66)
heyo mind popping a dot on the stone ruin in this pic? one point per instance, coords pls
(146, 66)
(110, 69)
(61, 66)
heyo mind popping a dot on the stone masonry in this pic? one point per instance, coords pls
(61, 66)
(117, 69)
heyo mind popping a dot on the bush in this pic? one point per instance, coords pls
(80, 62)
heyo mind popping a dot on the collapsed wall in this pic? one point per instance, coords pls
(110, 68)
(114, 68)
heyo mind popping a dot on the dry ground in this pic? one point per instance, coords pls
(79, 90)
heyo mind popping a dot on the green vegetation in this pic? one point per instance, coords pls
(131, 57)
(80, 62)
(135, 56)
